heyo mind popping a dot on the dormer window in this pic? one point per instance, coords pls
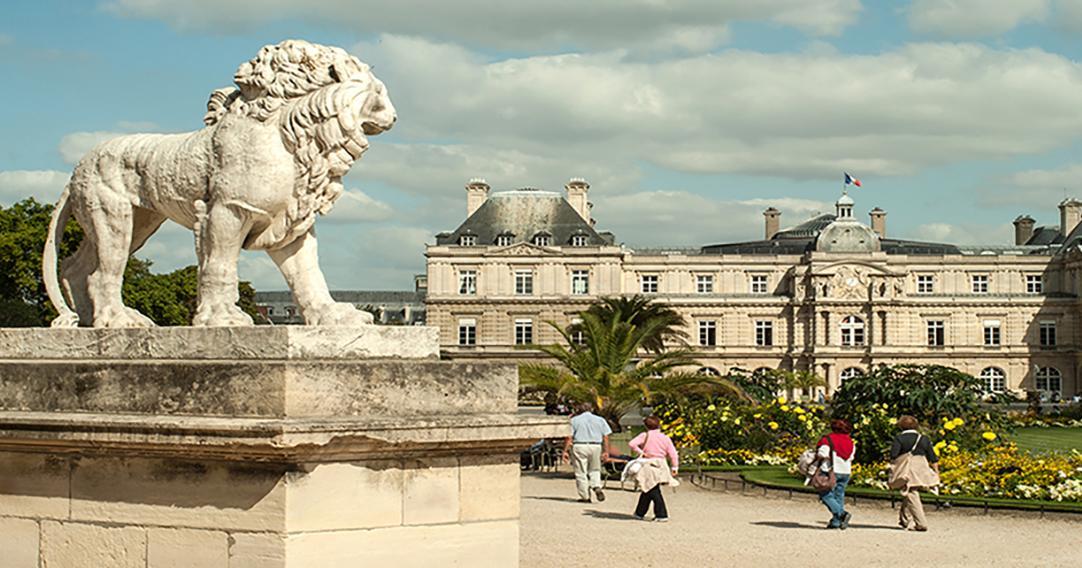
(505, 239)
(467, 240)
(542, 239)
(579, 240)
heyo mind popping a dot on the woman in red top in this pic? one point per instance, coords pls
(842, 463)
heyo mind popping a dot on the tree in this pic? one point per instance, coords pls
(167, 299)
(605, 369)
(803, 380)
(666, 324)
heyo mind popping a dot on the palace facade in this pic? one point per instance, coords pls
(830, 294)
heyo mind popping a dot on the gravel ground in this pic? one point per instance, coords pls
(711, 528)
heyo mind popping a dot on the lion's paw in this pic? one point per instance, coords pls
(340, 313)
(121, 317)
(220, 315)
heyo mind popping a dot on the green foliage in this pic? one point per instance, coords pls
(606, 369)
(168, 299)
(666, 324)
(23, 228)
(761, 385)
(934, 394)
(775, 427)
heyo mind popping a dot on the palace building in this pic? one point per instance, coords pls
(830, 294)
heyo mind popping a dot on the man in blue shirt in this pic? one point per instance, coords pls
(588, 446)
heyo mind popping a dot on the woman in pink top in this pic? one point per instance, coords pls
(655, 447)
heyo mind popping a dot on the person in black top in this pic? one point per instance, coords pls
(909, 440)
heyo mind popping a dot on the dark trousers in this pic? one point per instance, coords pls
(652, 496)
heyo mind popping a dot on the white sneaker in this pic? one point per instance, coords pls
(662, 520)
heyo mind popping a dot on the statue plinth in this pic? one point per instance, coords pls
(259, 446)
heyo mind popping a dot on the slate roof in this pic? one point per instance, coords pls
(1045, 235)
(525, 213)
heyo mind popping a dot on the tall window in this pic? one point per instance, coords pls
(704, 283)
(468, 240)
(849, 373)
(523, 331)
(979, 283)
(523, 282)
(852, 331)
(579, 240)
(937, 333)
(467, 282)
(467, 332)
(542, 239)
(758, 284)
(925, 284)
(649, 283)
(1049, 380)
(505, 240)
(991, 333)
(708, 332)
(993, 379)
(1034, 284)
(1047, 333)
(580, 282)
(578, 336)
(764, 333)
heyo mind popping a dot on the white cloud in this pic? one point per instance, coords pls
(803, 115)
(1044, 187)
(355, 206)
(74, 146)
(43, 185)
(964, 233)
(513, 24)
(974, 18)
(681, 218)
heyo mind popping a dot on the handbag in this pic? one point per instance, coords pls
(912, 470)
(824, 481)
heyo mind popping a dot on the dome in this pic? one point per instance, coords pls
(847, 235)
(845, 200)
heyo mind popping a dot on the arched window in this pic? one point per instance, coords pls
(849, 373)
(709, 371)
(852, 331)
(993, 379)
(1049, 379)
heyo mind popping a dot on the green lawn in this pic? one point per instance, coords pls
(1048, 439)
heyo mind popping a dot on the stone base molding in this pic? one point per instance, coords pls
(316, 459)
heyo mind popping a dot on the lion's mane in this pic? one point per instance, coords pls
(316, 94)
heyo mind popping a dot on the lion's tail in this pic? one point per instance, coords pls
(49, 264)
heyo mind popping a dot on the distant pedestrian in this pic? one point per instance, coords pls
(836, 451)
(587, 447)
(652, 471)
(914, 466)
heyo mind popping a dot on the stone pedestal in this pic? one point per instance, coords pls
(256, 447)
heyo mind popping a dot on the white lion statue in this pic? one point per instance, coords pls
(272, 156)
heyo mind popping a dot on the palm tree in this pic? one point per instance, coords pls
(666, 323)
(803, 380)
(604, 368)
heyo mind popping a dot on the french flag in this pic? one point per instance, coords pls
(851, 180)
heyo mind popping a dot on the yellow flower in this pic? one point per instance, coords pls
(958, 422)
(736, 420)
(784, 408)
(773, 425)
(798, 410)
(781, 400)
(802, 418)
(757, 416)
(711, 408)
(950, 425)
(990, 436)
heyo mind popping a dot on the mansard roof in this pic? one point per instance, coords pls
(525, 213)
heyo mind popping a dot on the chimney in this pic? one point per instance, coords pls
(772, 221)
(879, 222)
(578, 196)
(1070, 213)
(476, 194)
(1023, 229)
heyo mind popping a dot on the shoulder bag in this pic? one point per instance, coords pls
(824, 481)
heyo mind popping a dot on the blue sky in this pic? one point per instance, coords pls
(688, 117)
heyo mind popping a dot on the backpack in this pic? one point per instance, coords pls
(808, 463)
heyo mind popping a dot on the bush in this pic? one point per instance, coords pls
(937, 396)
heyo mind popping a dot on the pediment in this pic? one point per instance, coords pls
(849, 267)
(521, 249)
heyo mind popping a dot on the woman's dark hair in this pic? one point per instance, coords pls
(907, 422)
(652, 422)
(840, 426)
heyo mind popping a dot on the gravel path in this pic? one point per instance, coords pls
(724, 529)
